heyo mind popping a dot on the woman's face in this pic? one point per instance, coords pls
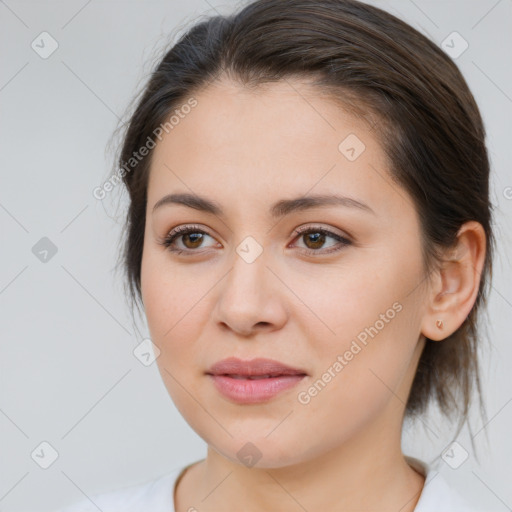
(344, 307)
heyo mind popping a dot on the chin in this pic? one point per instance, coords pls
(258, 451)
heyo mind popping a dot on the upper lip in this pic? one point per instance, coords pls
(259, 366)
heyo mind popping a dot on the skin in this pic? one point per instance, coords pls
(341, 451)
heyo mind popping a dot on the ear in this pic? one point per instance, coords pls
(456, 283)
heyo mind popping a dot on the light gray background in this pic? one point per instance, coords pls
(68, 373)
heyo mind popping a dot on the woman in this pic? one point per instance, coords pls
(310, 235)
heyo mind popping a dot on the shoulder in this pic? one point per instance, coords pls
(437, 494)
(156, 495)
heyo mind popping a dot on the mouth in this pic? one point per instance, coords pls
(254, 381)
(254, 368)
(254, 377)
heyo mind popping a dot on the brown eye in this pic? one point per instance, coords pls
(191, 238)
(315, 238)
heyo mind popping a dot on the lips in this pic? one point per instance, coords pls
(253, 369)
(255, 381)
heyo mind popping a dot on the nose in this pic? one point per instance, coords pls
(251, 298)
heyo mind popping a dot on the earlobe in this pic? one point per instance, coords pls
(457, 285)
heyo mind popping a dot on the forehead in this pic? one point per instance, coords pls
(259, 145)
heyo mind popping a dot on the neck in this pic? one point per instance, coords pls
(367, 473)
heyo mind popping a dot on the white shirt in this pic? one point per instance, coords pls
(158, 495)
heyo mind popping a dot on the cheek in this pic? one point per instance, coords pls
(339, 303)
(177, 312)
(172, 298)
(355, 381)
(368, 318)
(174, 315)
(175, 320)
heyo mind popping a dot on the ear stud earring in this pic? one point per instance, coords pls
(439, 324)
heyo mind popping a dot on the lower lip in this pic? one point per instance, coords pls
(252, 391)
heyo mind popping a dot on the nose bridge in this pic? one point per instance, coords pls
(247, 280)
(247, 296)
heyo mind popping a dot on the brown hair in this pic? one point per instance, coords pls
(372, 63)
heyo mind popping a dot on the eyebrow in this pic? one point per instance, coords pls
(278, 209)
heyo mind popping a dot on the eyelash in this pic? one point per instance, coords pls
(168, 240)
